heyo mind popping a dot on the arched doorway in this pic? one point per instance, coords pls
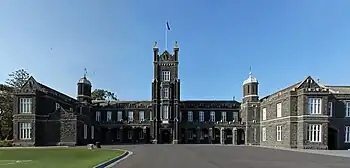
(228, 136)
(332, 138)
(240, 137)
(166, 136)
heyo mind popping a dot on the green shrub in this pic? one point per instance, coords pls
(5, 143)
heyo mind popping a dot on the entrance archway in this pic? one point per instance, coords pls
(166, 136)
(332, 138)
(228, 136)
(240, 137)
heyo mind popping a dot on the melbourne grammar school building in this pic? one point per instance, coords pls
(305, 115)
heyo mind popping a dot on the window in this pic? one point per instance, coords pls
(25, 131)
(109, 115)
(347, 134)
(129, 134)
(180, 115)
(150, 115)
(71, 109)
(141, 135)
(279, 109)
(263, 133)
(142, 116)
(166, 93)
(98, 116)
(201, 116)
(130, 116)
(279, 133)
(264, 114)
(120, 116)
(330, 109)
(223, 116)
(166, 75)
(235, 116)
(347, 113)
(25, 105)
(92, 132)
(190, 116)
(57, 106)
(165, 112)
(314, 133)
(314, 105)
(85, 131)
(212, 116)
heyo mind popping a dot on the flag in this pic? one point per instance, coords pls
(167, 25)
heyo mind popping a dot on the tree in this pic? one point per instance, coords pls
(17, 78)
(15, 81)
(100, 94)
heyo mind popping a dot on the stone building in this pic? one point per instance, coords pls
(304, 115)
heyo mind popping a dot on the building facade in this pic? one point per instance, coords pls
(305, 115)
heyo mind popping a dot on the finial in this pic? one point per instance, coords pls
(318, 80)
(155, 45)
(176, 45)
(85, 72)
(250, 71)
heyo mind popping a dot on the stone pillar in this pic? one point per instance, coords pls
(145, 136)
(186, 135)
(234, 136)
(210, 135)
(222, 136)
(134, 135)
(176, 132)
(155, 140)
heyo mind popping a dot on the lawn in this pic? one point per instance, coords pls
(55, 157)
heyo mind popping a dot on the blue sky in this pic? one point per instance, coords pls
(283, 41)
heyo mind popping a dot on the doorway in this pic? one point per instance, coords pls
(332, 138)
(240, 137)
(166, 136)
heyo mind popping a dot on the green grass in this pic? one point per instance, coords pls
(55, 157)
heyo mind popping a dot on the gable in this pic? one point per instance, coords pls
(166, 56)
(309, 82)
(30, 85)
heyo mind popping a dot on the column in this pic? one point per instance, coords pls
(145, 136)
(198, 135)
(155, 127)
(234, 136)
(210, 135)
(134, 135)
(222, 136)
(176, 133)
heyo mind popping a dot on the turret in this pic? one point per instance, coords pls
(84, 89)
(250, 89)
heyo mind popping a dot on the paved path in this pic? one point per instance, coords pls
(214, 156)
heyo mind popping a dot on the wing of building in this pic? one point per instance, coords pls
(305, 115)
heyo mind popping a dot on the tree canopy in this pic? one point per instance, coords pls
(101, 94)
(15, 81)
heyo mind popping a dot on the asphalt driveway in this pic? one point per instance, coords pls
(215, 156)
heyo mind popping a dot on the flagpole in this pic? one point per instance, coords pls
(166, 36)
